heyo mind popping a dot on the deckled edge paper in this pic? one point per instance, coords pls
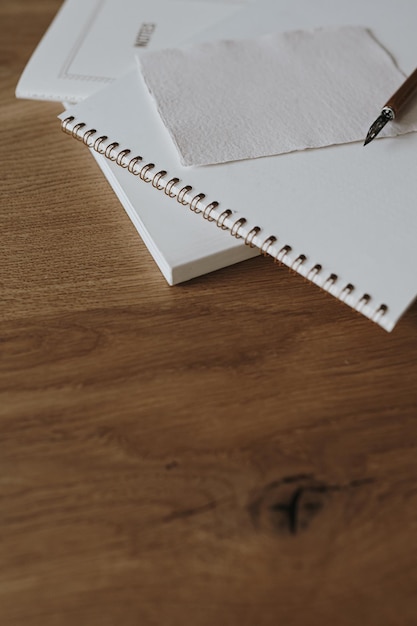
(240, 99)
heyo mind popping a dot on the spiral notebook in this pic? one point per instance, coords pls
(343, 217)
(74, 59)
(182, 246)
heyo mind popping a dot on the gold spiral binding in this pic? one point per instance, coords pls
(314, 271)
(296, 264)
(282, 253)
(237, 226)
(222, 217)
(144, 170)
(194, 203)
(132, 163)
(75, 130)
(110, 151)
(363, 301)
(380, 312)
(182, 193)
(267, 243)
(168, 187)
(87, 136)
(65, 122)
(98, 142)
(207, 211)
(120, 158)
(156, 178)
(330, 281)
(346, 291)
(251, 235)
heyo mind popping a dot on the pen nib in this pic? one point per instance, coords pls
(385, 116)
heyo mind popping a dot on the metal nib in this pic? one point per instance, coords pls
(386, 116)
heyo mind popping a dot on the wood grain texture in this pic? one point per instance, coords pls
(237, 450)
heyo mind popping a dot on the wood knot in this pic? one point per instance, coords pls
(291, 503)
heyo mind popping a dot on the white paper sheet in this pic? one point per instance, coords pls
(283, 92)
(90, 43)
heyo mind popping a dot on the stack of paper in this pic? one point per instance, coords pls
(88, 45)
(259, 130)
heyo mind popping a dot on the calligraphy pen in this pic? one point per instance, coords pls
(394, 106)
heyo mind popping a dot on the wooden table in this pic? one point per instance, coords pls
(238, 450)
